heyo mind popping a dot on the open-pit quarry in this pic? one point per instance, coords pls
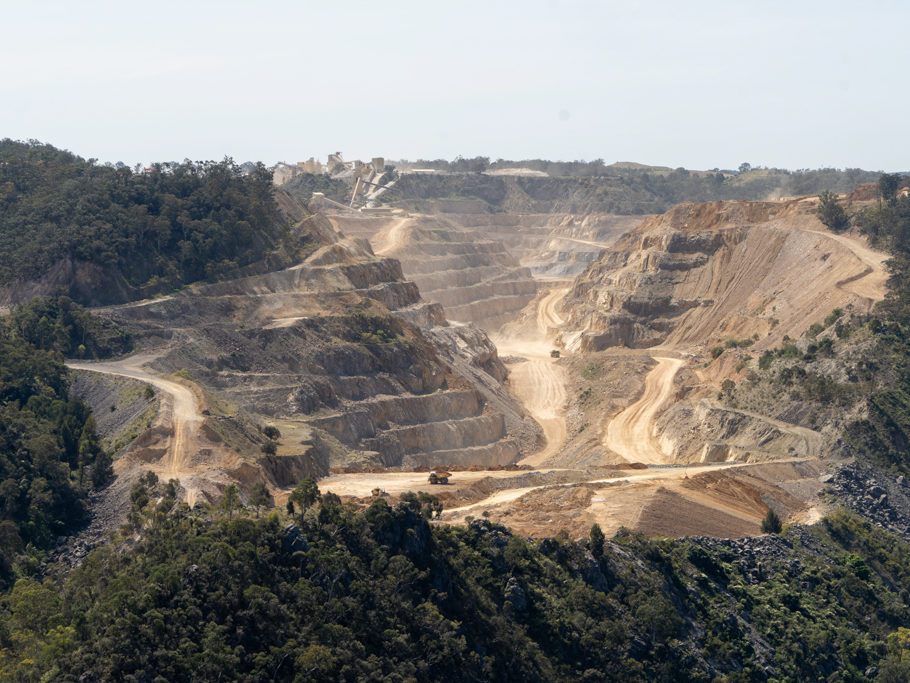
(557, 367)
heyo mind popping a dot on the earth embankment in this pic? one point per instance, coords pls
(631, 433)
(705, 273)
(182, 414)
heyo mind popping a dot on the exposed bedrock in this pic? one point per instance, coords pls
(286, 470)
(709, 272)
(704, 432)
(473, 277)
(342, 352)
(550, 244)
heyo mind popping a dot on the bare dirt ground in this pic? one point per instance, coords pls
(361, 485)
(181, 410)
(723, 500)
(391, 238)
(630, 434)
(539, 382)
(871, 283)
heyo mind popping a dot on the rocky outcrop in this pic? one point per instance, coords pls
(286, 470)
(704, 273)
(877, 495)
(479, 266)
(703, 432)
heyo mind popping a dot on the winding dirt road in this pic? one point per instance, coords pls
(391, 238)
(630, 433)
(396, 483)
(639, 477)
(539, 383)
(871, 283)
(185, 414)
(547, 316)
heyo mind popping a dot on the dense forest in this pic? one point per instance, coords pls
(149, 231)
(50, 458)
(57, 323)
(382, 594)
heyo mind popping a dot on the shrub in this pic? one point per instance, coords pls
(833, 317)
(771, 524)
(831, 213)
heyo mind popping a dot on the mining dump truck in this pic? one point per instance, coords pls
(439, 477)
(554, 353)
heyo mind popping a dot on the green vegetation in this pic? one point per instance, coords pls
(304, 495)
(148, 232)
(352, 594)
(831, 213)
(771, 524)
(49, 455)
(738, 343)
(260, 497)
(369, 329)
(347, 593)
(619, 188)
(863, 367)
(57, 323)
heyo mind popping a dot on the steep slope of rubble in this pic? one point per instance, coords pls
(704, 273)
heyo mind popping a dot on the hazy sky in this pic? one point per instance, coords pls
(684, 83)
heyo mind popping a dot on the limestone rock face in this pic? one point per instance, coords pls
(704, 273)
(473, 277)
(480, 266)
(557, 245)
(343, 353)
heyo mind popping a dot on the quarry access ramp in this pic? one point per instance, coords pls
(182, 410)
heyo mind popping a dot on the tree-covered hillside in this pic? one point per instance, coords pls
(623, 189)
(50, 458)
(381, 594)
(150, 231)
(57, 323)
